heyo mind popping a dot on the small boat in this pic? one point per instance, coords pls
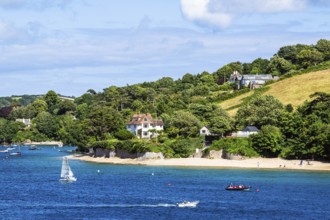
(33, 147)
(15, 154)
(66, 172)
(18, 153)
(238, 187)
(192, 204)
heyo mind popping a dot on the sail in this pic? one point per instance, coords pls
(70, 173)
(66, 172)
(65, 167)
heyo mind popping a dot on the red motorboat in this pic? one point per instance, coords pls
(238, 187)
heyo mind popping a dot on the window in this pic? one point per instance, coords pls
(203, 131)
(145, 125)
(145, 133)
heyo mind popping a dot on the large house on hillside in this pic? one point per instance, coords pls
(141, 124)
(252, 81)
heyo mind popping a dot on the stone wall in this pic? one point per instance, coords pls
(214, 154)
(99, 152)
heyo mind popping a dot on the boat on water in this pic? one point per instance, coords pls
(33, 147)
(18, 153)
(191, 204)
(238, 187)
(67, 175)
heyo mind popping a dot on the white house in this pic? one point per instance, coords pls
(247, 131)
(204, 131)
(141, 124)
(26, 121)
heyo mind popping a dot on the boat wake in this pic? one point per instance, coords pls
(102, 205)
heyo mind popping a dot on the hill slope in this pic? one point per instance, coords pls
(294, 90)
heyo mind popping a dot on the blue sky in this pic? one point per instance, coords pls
(70, 46)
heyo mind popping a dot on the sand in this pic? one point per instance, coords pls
(251, 163)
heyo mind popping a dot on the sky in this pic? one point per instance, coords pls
(71, 46)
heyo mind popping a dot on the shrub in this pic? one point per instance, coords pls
(124, 134)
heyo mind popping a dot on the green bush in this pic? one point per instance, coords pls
(241, 146)
(106, 144)
(185, 147)
(124, 134)
(133, 146)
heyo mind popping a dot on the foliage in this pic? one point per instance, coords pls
(106, 144)
(133, 146)
(185, 147)
(241, 146)
(124, 134)
(184, 124)
(185, 105)
(261, 110)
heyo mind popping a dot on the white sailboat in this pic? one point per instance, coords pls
(18, 153)
(66, 172)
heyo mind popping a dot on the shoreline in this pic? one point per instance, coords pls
(250, 163)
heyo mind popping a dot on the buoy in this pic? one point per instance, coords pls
(169, 184)
(152, 174)
(257, 190)
(98, 171)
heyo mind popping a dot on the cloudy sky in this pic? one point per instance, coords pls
(70, 46)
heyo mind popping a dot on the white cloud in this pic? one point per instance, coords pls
(221, 13)
(198, 11)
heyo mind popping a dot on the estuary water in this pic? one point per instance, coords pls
(30, 189)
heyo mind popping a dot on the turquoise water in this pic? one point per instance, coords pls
(30, 190)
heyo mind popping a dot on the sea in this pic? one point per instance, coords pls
(30, 189)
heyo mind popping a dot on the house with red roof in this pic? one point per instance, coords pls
(144, 126)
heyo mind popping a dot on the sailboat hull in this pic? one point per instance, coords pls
(68, 180)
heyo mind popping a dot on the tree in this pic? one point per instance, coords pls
(307, 58)
(66, 106)
(260, 111)
(324, 47)
(184, 124)
(186, 147)
(102, 121)
(259, 66)
(165, 82)
(268, 142)
(279, 66)
(290, 53)
(220, 125)
(224, 72)
(70, 131)
(124, 134)
(52, 100)
(319, 106)
(47, 124)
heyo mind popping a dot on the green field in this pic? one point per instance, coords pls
(294, 90)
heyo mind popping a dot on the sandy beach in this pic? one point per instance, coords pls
(260, 163)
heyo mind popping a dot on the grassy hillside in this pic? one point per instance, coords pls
(294, 90)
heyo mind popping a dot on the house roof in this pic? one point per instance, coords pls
(251, 129)
(258, 77)
(138, 119)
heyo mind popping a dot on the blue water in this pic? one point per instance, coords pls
(30, 190)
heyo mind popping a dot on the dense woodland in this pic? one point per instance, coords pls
(185, 105)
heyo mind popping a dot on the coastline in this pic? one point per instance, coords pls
(250, 163)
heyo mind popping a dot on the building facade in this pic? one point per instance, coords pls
(144, 126)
